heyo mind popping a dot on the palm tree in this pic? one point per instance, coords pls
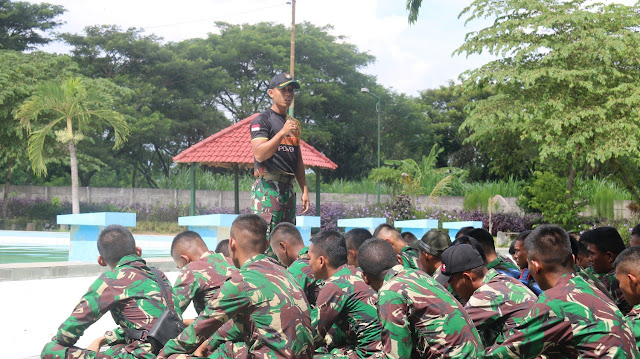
(81, 105)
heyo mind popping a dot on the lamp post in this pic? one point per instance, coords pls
(366, 90)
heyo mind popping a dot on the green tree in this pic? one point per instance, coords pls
(22, 24)
(567, 78)
(76, 102)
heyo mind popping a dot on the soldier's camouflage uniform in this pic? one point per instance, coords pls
(504, 267)
(302, 273)
(267, 305)
(410, 258)
(347, 301)
(274, 201)
(132, 295)
(633, 318)
(498, 306)
(199, 281)
(421, 319)
(610, 282)
(592, 279)
(571, 318)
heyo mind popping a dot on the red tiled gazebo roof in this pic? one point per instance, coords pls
(233, 146)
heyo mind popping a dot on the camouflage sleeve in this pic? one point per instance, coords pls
(484, 309)
(539, 330)
(229, 332)
(115, 336)
(396, 332)
(233, 297)
(329, 305)
(94, 303)
(185, 288)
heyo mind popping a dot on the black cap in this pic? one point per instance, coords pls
(458, 258)
(283, 79)
(433, 242)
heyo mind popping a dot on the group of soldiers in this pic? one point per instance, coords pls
(364, 295)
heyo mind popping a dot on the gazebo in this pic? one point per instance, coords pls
(231, 148)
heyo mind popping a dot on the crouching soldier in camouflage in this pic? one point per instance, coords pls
(262, 298)
(496, 303)
(627, 267)
(420, 319)
(129, 291)
(345, 300)
(570, 317)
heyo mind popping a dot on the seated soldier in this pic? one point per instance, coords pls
(580, 252)
(286, 242)
(223, 247)
(392, 236)
(419, 318)
(520, 256)
(628, 274)
(262, 298)
(128, 290)
(604, 244)
(570, 316)
(635, 236)
(588, 276)
(430, 248)
(493, 260)
(495, 302)
(408, 237)
(201, 275)
(354, 239)
(345, 300)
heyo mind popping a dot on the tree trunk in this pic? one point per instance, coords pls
(5, 195)
(73, 160)
(628, 183)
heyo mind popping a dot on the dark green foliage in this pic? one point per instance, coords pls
(22, 24)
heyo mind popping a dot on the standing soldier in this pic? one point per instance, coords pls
(345, 300)
(262, 298)
(275, 140)
(420, 319)
(495, 302)
(128, 290)
(570, 317)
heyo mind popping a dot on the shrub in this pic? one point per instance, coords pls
(477, 200)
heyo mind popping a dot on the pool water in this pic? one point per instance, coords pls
(25, 253)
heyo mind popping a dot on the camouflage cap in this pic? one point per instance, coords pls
(283, 79)
(433, 242)
(458, 258)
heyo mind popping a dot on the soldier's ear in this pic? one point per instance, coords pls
(270, 92)
(365, 278)
(101, 261)
(399, 258)
(138, 251)
(282, 246)
(535, 265)
(186, 258)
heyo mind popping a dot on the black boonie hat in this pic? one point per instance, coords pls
(283, 79)
(458, 258)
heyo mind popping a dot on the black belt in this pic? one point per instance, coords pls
(135, 334)
(286, 179)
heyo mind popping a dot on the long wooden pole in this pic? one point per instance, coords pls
(292, 56)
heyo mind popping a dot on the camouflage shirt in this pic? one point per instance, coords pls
(610, 282)
(410, 258)
(504, 267)
(266, 303)
(633, 318)
(347, 301)
(572, 318)
(199, 280)
(498, 305)
(132, 295)
(302, 273)
(420, 319)
(591, 279)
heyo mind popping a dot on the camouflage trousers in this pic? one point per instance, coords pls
(54, 350)
(274, 201)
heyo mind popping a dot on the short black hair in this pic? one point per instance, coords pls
(223, 247)
(408, 237)
(523, 235)
(256, 229)
(512, 247)
(331, 245)
(375, 257)
(577, 247)
(636, 230)
(627, 260)
(186, 238)
(356, 236)
(549, 243)
(114, 243)
(464, 239)
(484, 237)
(383, 226)
(289, 232)
(464, 231)
(606, 239)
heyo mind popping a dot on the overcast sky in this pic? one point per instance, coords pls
(408, 58)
